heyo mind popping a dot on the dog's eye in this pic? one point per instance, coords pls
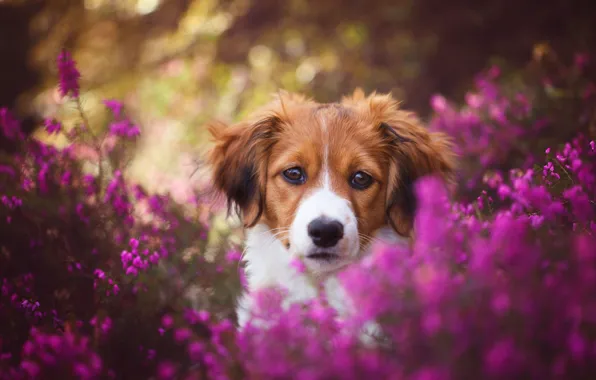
(294, 176)
(361, 181)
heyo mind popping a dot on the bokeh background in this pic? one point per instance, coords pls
(178, 63)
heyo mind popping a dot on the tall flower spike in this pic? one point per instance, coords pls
(68, 75)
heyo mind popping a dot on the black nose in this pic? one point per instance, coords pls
(325, 232)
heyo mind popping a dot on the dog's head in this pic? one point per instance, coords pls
(325, 177)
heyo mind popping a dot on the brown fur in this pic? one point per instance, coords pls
(370, 134)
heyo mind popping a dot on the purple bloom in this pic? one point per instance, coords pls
(167, 321)
(166, 370)
(124, 128)
(115, 106)
(52, 126)
(68, 75)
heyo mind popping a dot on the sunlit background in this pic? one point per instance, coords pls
(178, 63)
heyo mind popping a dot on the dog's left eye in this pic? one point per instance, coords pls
(294, 176)
(361, 180)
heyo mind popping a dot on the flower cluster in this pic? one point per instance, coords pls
(101, 279)
(505, 125)
(68, 74)
(121, 126)
(135, 260)
(473, 298)
(62, 356)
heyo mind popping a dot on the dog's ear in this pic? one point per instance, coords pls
(414, 152)
(239, 163)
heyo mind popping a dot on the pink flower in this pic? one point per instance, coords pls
(298, 265)
(166, 370)
(438, 103)
(167, 321)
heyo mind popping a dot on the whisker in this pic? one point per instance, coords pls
(369, 240)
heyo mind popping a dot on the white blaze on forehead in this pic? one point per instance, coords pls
(325, 179)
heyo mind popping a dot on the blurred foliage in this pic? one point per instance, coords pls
(92, 253)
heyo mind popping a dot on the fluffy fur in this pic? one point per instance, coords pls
(329, 143)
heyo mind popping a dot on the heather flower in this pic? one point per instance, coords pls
(60, 355)
(195, 350)
(68, 75)
(233, 256)
(115, 106)
(124, 128)
(104, 325)
(167, 321)
(182, 334)
(52, 126)
(166, 370)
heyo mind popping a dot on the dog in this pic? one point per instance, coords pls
(319, 183)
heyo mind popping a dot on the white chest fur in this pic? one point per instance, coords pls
(270, 264)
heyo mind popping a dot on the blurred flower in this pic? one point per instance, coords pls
(115, 106)
(68, 75)
(52, 126)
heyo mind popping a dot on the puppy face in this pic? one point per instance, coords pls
(325, 177)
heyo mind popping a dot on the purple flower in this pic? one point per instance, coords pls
(52, 126)
(68, 75)
(124, 128)
(166, 370)
(195, 350)
(182, 334)
(439, 103)
(46, 352)
(115, 106)
(167, 321)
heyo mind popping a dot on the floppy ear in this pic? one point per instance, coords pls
(239, 164)
(414, 152)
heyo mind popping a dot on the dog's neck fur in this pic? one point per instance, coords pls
(269, 264)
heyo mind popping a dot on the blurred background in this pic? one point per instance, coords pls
(178, 63)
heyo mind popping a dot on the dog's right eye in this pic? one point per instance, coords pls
(295, 176)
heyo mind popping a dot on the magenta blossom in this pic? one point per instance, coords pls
(52, 126)
(68, 75)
